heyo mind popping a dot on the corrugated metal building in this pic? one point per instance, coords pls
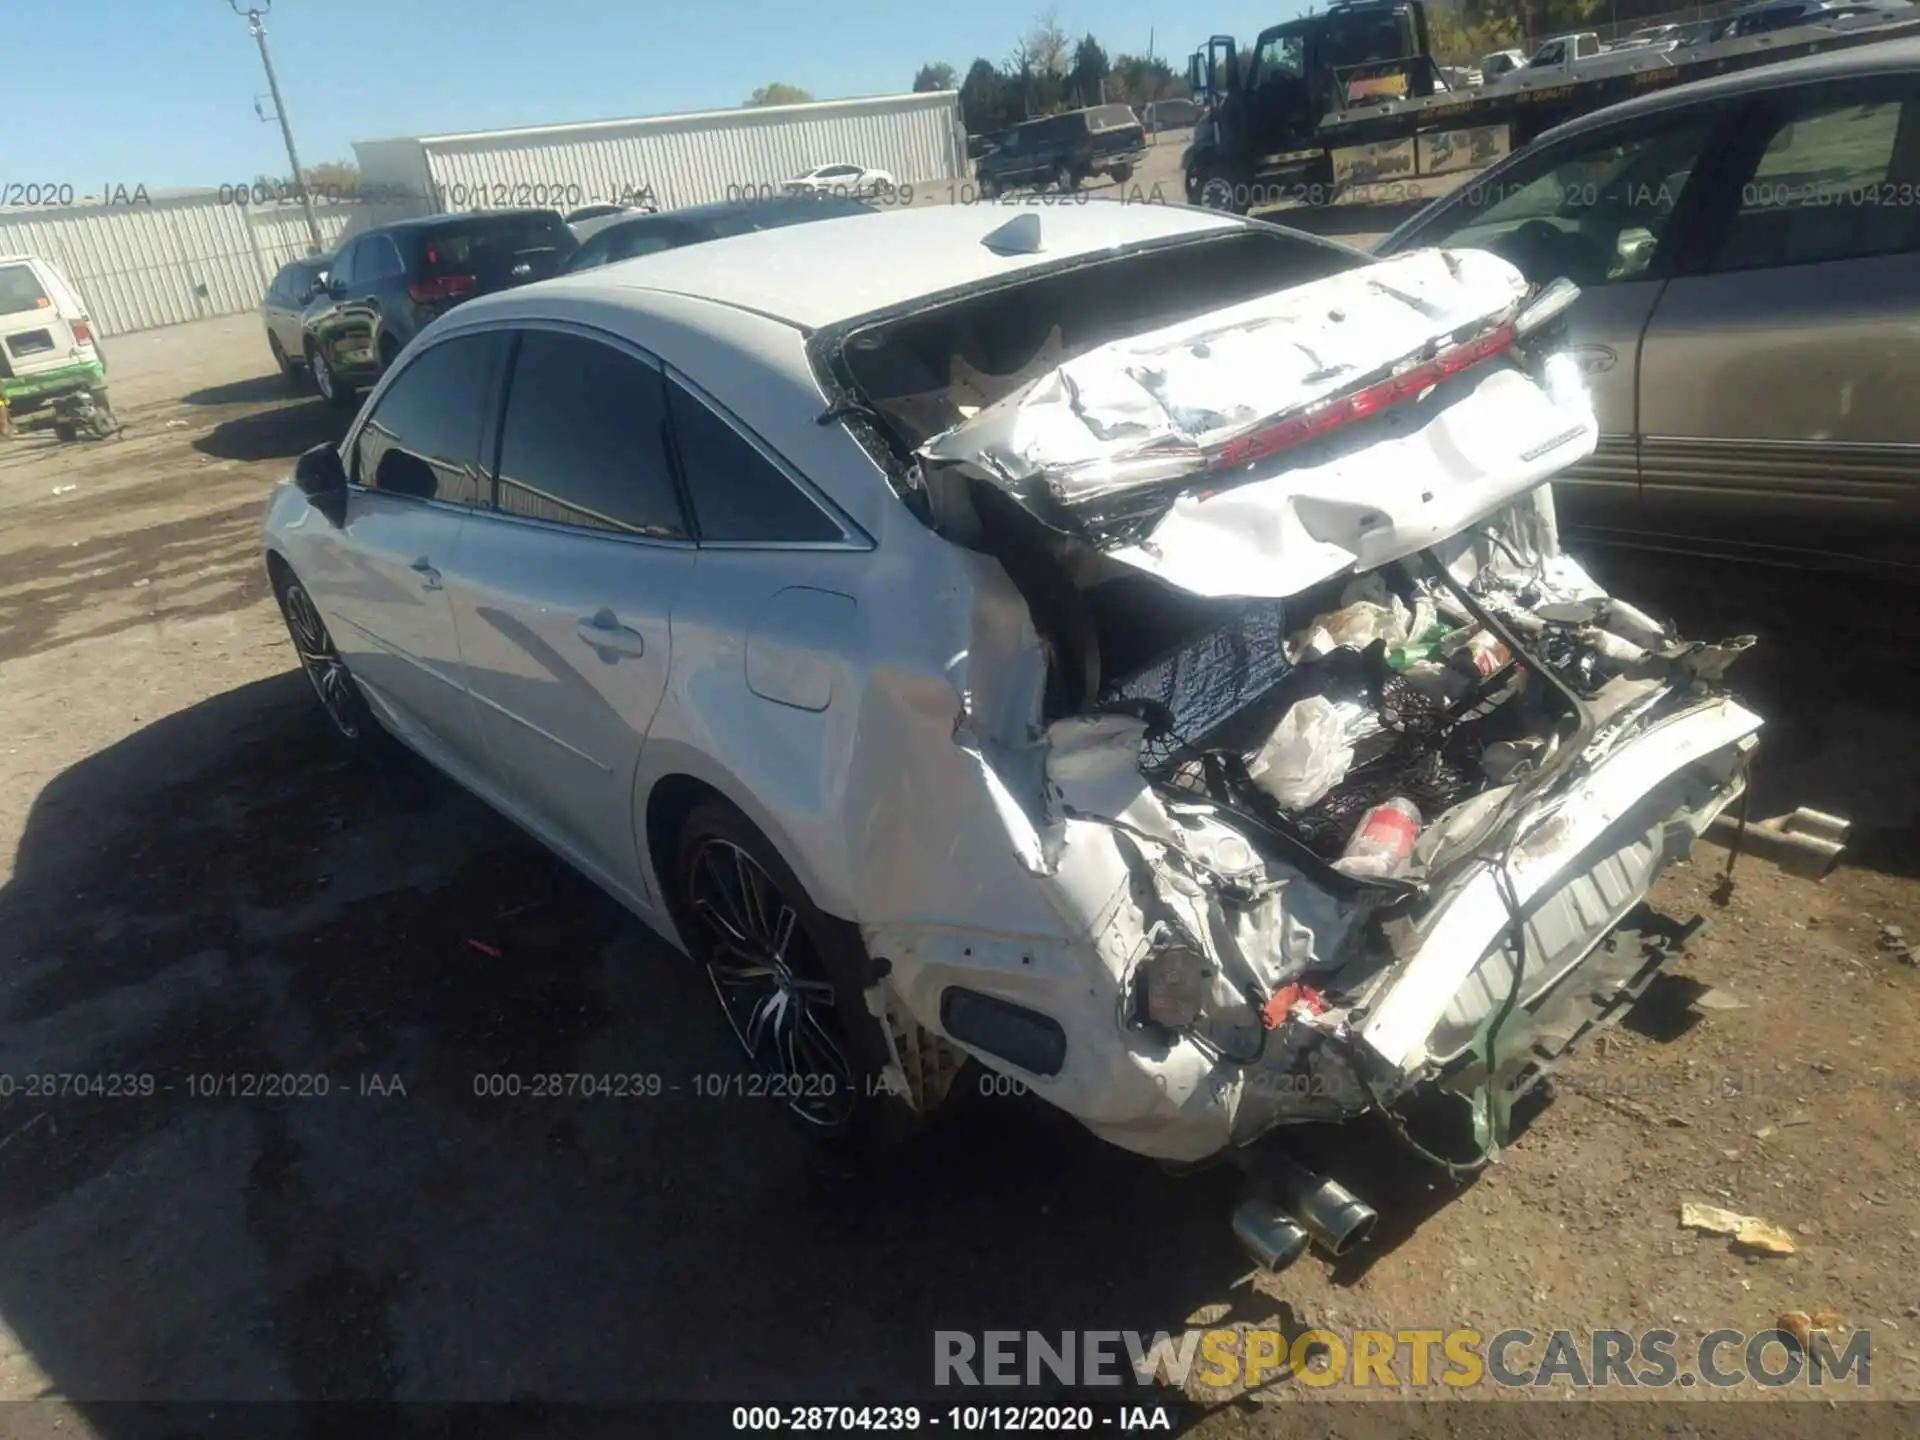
(174, 257)
(189, 255)
(682, 159)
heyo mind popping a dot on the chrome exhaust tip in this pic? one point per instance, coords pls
(1330, 1213)
(1272, 1238)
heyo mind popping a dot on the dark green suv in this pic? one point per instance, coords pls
(1063, 150)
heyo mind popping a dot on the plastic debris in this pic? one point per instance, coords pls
(65, 489)
(1382, 842)
(484, 948)
(1308, 753)
(1748, 1232)
(1717, 999)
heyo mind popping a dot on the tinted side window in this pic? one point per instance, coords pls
(424, 437)
(1835, 182)
(737, 493)
(342, 272)
(1594, 209)
(379, 258)
(583, 442)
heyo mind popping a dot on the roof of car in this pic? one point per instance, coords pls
(830, 270)
(421, 222)
(696, 214)
(1880, 57)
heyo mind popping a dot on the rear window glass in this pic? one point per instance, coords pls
(928, 371)
(20, 290)
(772, 216)
(498, 250)
(1111, 117)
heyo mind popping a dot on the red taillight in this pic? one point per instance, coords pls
(82, 332)
(441, 287)
(1359, 404)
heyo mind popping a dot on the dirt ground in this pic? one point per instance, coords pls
(195, 886)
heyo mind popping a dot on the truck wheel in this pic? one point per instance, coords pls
(1217, 191)
(102, 426)
(1122, 174)
(1065, 179)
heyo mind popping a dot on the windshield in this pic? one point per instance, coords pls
(20, 290)
(928, 371)
(497, 250)
(1364, 42)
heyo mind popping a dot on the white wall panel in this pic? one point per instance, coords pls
(165, 261)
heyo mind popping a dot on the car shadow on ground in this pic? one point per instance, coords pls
(277, 434)
(254, 390)
(1834, 673)
(392, 1212)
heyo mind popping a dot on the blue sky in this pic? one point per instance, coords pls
(160, 92)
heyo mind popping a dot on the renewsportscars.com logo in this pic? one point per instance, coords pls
(1393, 1359)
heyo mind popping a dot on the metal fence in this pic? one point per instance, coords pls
(147, 264)
(678, 159)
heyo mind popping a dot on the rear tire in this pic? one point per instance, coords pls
(102, 426)
(1065, 179)
(1122, 174)
(789, 978)
(332, 389)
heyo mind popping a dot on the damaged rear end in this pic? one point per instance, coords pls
(1348, 781)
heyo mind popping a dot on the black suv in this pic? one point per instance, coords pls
(622, 237)
(389, 283)
(1063, 150)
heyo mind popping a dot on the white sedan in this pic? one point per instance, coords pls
(1124, 647)
(854, 180)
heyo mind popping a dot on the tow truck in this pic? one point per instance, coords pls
(1352, 98)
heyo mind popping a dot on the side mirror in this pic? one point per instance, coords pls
(1197, 73)
(321, 476)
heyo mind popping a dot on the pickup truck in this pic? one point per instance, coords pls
(1581, 56)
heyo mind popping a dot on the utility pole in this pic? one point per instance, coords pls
(257, 27)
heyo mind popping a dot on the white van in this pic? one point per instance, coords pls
(47, 345)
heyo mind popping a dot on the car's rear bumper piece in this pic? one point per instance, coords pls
(1582, 863)
(45, 384)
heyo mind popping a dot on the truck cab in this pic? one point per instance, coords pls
(1563, 52)
(1258, 142)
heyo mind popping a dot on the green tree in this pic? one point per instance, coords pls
(1140, 81)
(937, 76)
(988, 101)
(1089, 71)
(778, 94)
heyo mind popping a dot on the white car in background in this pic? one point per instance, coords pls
(1123, 646)
(854, 180)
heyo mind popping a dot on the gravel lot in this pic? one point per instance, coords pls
(195, 886)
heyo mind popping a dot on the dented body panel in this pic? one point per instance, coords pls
(1008, 728)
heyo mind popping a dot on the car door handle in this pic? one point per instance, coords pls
(603, 631)
(1593, 359)
(429, 577)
